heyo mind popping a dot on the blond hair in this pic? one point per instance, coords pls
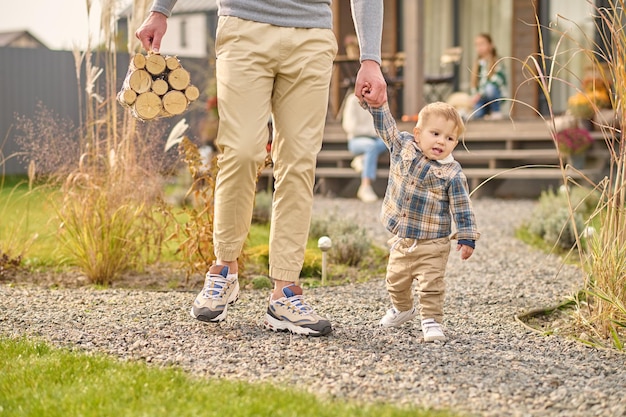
(444, 110)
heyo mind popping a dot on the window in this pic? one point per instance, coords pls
(183, 33)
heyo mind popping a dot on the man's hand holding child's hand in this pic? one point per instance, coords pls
(466, 251)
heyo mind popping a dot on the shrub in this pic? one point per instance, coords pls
(8, 263)
(551, 220)
(262, 212)
(350, 241)
(261, 282)
(312, 266)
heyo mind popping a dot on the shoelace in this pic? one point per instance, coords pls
(300, 304)
(214, 288)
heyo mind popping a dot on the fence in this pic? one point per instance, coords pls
(32, 76)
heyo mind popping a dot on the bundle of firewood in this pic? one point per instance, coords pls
(157, 86)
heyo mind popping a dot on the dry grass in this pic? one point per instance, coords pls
(108, 170)
(602, 311)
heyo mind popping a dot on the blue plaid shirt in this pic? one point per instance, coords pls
(422, 194)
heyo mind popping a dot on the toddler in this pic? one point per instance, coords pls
(426, 190)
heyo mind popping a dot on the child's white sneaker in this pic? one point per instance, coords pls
(395, 318)
(432, 330)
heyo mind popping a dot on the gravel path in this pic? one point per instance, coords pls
(490, 366)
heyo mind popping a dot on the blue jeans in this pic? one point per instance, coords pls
(492, 92)
(370, 148)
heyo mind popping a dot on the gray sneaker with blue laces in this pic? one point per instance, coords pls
(219, 291)
(291, 313)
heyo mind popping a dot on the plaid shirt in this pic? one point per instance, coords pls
(422, 194)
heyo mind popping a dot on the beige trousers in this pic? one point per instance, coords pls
(424, 261)
(261, 70)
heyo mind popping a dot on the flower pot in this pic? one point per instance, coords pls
(587, 124)
(577, 160)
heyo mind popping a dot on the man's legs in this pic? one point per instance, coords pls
(244, 88)
(299, 105)
(245, 59)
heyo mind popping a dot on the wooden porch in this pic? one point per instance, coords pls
(510, 154)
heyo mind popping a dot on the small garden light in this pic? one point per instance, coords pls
(324, 243)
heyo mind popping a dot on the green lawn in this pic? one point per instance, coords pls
(29, 226)
(38, 380)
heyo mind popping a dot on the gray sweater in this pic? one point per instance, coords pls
(367, 15)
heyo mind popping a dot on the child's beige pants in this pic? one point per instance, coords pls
(263, 69)
(424, 261)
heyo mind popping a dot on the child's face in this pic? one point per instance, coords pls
(437, 138)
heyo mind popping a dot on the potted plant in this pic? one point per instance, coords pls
(594, 99)
(580, 106)
(574, 143)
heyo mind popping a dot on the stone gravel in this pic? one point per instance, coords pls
(490, 366)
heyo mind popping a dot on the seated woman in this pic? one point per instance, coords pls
(488, 79)
(364, 143)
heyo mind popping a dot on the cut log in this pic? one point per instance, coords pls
(157, 86)
(160, 86)
(140, 81)
(172, 63)
(128, 97)
(138, 61)
(192, 93)
(179, 79)
(155, 64)
(148, 105)
(174, 102)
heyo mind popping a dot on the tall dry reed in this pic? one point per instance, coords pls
(110, 212)
(602, 311)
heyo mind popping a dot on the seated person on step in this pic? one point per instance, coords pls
(363, 142)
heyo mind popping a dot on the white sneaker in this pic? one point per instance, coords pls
(220, 290)
(366, 194)
(496, 115)
(357, 163)
(395, 318)
(432, 330)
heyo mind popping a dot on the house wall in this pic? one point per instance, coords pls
(33, 76)
(187, 36)
(571, 29)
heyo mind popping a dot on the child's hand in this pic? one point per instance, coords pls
(466, 251)
(368, 99)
